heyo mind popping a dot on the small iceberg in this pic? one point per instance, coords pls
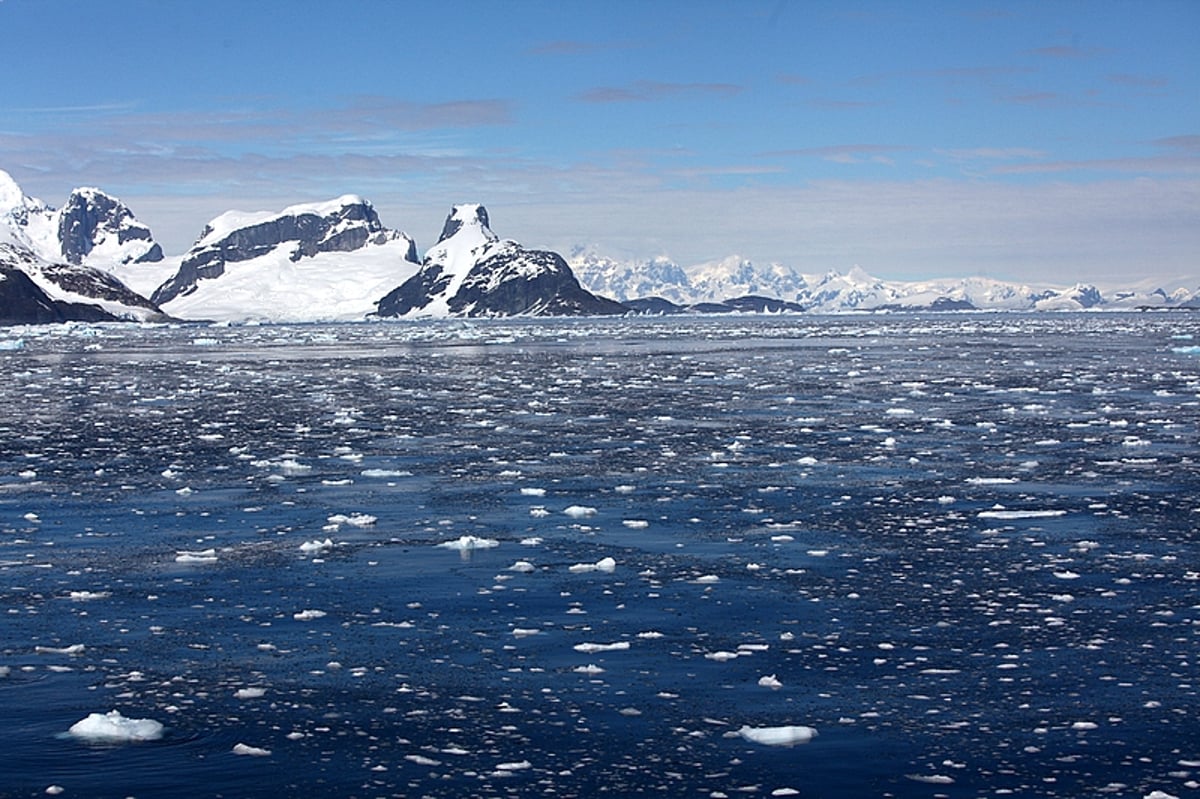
(778, 736)
(112, 727)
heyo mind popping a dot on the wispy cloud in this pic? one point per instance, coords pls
(844, 153)
(649, 91)
(1067, 51)
(1189, 143)
(1138, 81)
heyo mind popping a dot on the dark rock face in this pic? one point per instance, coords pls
(490, 277)
(511, 281)
(347, 229)
(90, 216)
(516, 281)
(22, 302)
(455, 222)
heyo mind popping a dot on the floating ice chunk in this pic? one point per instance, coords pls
(12, 344)
(517, 766)
(421, 760)
(650, 634)
(579, 511)
(73, 649)
(989, 481)
(590, 648)
(112, 727)
(353, 519)
(1085, 725)
(32, 518)
(385, 473)
(5, 671)
(522, 566)
(721, 656)
(54, 790)
(933, 779)
(607, 565)
(533, 541)
(538, 512)
(250, 751)
(778, 736)
(707, 579)
(249, 693)
(624, 489)
(1067, 575)
(525, 632)
(785, 792)
(1020, 514)
(309, 615)
(533, 492)
(88, 596)
(196, 556)
(469, 542)
(770, 681)
(311, 547)
(636, 524)
(590, 668)
(293, 467)
(1163, 794)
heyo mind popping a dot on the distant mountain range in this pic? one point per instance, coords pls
(736, 284)
(92, 260)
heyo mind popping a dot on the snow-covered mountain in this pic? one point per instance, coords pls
(327, 261)
(92, 228)
(49, 277)
(709, 285)
(473, 272)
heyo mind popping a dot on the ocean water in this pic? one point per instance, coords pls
(919, 556)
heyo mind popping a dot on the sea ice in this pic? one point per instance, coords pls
(251, 751)
(608, 565)
(469, 542)
(112, 727)
(579, 511)
(590, 648)
(778, 736)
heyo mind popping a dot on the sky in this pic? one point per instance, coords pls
(1049, 141)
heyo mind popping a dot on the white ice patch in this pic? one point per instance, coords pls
(308, 615)
(196, 556)
(778, 736)
(590, 648)
(250, 751)
(313, 547)
(112, 727)
(607, 565)
(770, 681)
(467, 543)
(1020, 514)
(353, 519)
(579, 511)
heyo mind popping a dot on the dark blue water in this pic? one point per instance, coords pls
(965, 547)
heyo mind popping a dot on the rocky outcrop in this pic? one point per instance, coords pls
(94, 222)
(343, 225)
(471, 272)
(24, 302)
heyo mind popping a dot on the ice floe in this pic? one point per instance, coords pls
(112, 727)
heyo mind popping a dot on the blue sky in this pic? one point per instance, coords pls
(1041, 141)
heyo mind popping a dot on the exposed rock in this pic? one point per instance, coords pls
(471, 272)
(343, 225)
(92, 221)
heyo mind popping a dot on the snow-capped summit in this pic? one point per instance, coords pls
(472, 272)
(39, 285)
(98, 229)
(323, 261)
(93, 228)
(473, 217)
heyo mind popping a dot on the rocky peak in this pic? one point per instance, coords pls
(94, 221)
(469, 216)
(345, 224)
